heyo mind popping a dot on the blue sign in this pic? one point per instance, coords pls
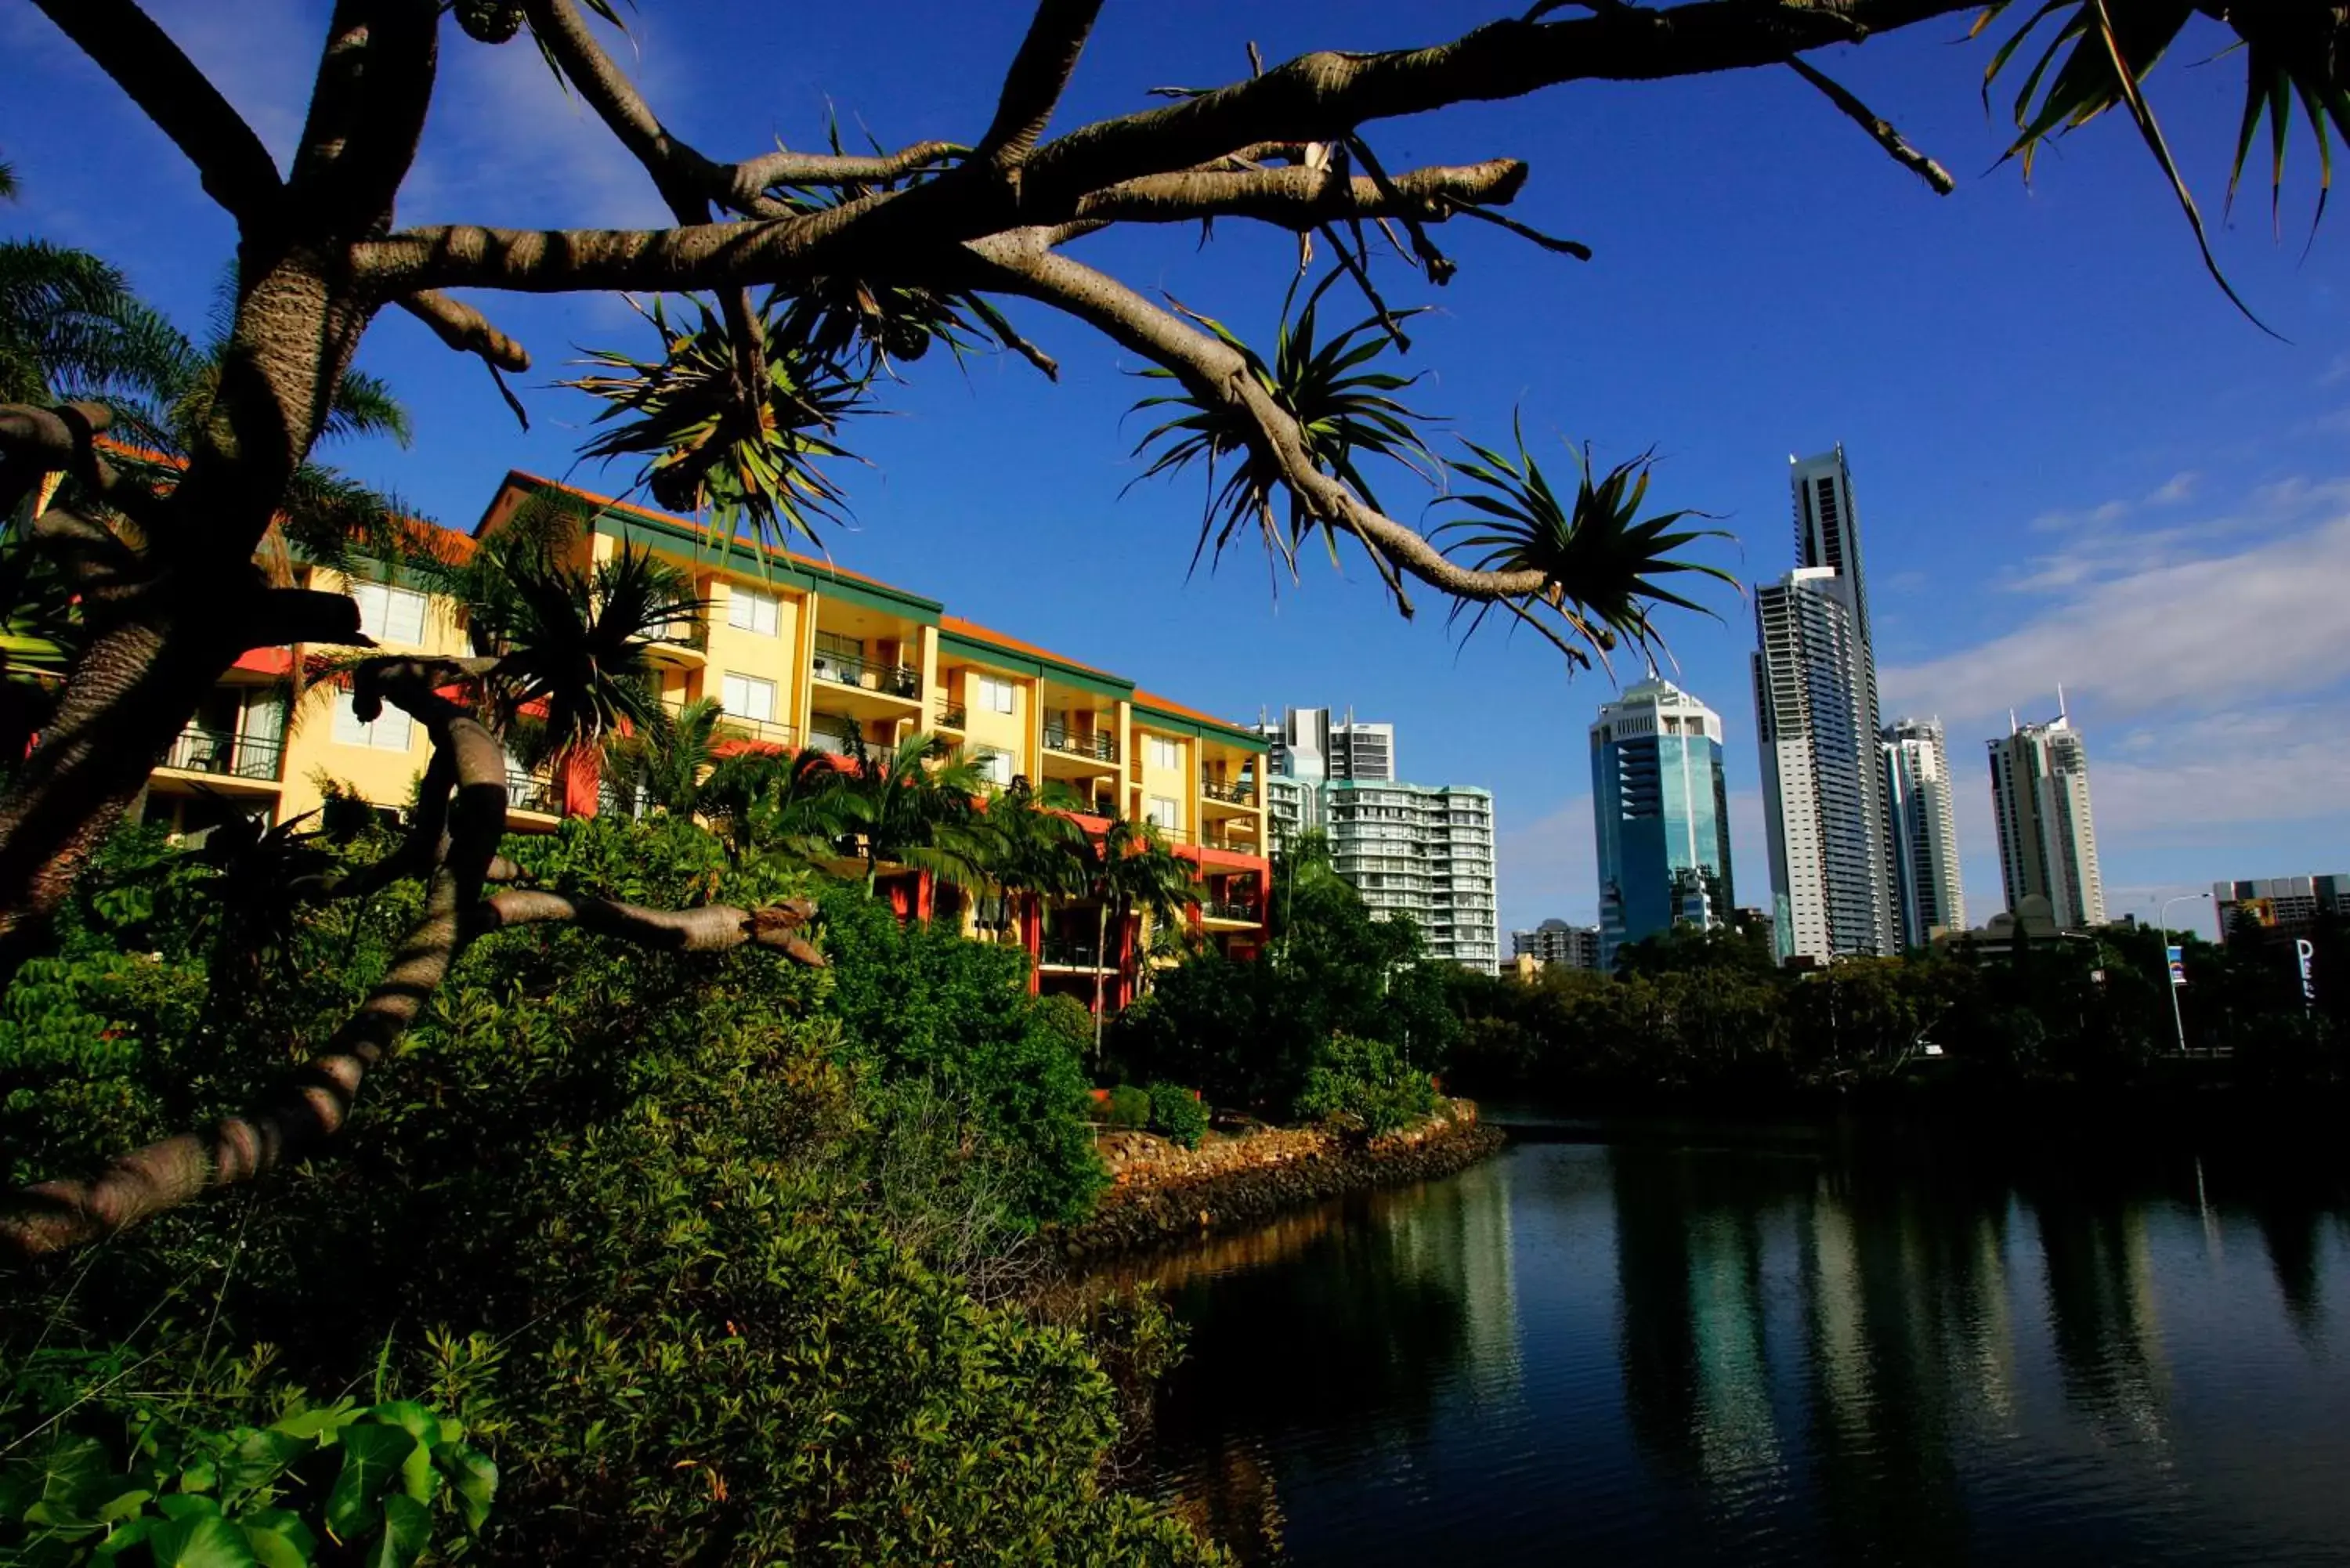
(2178, 965)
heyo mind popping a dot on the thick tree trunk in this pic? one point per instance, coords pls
(128, 694)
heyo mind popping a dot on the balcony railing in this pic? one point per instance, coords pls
(1069, 953)
(201, 750)
(1231, 909)
(689, 634)
(1101, 746)
(1215, 839)
(952, 716)
(1241, 792)
(764, 732)
(528, 792)
(890, 679)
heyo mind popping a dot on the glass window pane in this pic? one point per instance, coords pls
(748, 697)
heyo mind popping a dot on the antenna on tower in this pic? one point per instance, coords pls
(2010, 722)
(2060, 701)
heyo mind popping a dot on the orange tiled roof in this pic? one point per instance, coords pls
(978, 633)
(617, 505)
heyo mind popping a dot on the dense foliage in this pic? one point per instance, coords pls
(684, 1245)
(1251, 1033)
(1709, 1012)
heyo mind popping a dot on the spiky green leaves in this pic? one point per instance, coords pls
(1346, 413)
(1601, 561)
(2100, 52)
(748, 453)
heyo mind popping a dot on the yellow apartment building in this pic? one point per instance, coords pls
(798, 652)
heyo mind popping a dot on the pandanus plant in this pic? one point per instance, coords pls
(1601, 562)
(1347, 414)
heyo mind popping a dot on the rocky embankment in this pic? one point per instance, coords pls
(1162, 1192)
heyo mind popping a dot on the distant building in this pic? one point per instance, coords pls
(1307, 743)
(2274, 906)
(1292, 807)
(2047, 837)
(1924, 830)
(1660, 815)
(1817, 728)
(1556, 943)
(1421, 850)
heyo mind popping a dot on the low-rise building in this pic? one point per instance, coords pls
(1556, 943)
(2272, 906)
(800, 653)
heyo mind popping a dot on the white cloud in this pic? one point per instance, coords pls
(2173, 632)
(2174, 490)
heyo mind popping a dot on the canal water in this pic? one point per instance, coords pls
(1684, 1344)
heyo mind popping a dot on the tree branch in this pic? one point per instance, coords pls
(1039, 74)
(127, 45)
(1021, 264)
(1302, 198)
(747, 179)
(367, 113)
(466, 330)
(1879, 127)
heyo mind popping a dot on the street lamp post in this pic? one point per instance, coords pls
(2170, 982)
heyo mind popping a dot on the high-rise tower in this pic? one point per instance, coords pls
(1918, 814)
(2047, 841)
(1832, 872)
(1660, 815)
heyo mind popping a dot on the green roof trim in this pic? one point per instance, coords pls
(633, 527)
(981, 651)
(1204, 729)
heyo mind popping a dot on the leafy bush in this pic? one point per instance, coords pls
(1177, 1114)
(920, 1002)
(1064, 1019)
(1365, 1084)
(1129, 1107)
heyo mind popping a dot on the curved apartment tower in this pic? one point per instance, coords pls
(1919, 815)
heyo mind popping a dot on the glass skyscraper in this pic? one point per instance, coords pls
(1832, 872)
(1918, 812)
(1660, 815)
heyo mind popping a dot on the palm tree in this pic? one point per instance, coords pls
(667, 762)
(569, 647)
(1133, 871)
(774, 804)
(911, 805)
(1031, 849)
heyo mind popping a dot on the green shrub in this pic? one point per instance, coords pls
(1364, 1085)
(1176, 1113)
(1064, 1019)
(1130, 1106)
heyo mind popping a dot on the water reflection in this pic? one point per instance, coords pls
(1664, 1349)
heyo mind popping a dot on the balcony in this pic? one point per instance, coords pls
(680, 645)
(1069, 754)
(529, 793)
(250, 758)
(1229, 912)
(952, 716)
(898, 680)
(1238, 791)
(761, 732)
(1069, 953)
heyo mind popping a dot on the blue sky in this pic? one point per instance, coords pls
(2074, 461)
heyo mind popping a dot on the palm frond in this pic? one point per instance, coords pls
(708, 444)
(1600, 561)
(1346, 413)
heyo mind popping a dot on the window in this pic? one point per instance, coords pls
(748, 609)
(1164, 811)
(389, 733)
(389, 615)
(1159, 751)
(994, 694)
(995, 767)
(748, 697)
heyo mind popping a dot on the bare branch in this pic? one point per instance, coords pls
(747, 179)
(127, 45)
(286, 616)
(1039, 73)
(466, 330)
(1304, 198)
(1878, 127)
(367, 113)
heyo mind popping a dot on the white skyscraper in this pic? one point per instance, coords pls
(1832, 870)
(1308, 743)
(2047, 841)
(1421, 850)
(1918, 811)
